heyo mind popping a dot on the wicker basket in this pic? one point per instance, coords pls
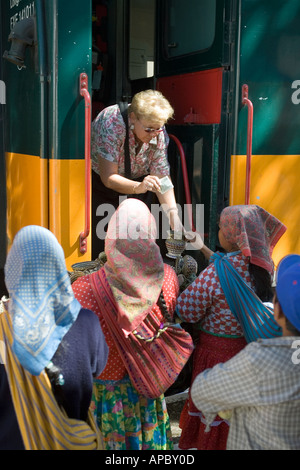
(87, 267)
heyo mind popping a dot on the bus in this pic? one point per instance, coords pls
(230, 68)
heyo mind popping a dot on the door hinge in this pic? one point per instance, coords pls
(227, 102)
(229, 32)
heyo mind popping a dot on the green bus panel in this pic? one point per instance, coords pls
(45, 112)
(22, 111)
(69, 49)
(270, 66)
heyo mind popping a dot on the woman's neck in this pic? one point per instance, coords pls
(138, 144)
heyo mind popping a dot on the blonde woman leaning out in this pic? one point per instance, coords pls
(131, 160)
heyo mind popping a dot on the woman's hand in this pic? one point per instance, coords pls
(195, 242)
(195, 239)
(149, 183)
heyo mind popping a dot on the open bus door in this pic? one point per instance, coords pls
(187, 50)
(195, 59)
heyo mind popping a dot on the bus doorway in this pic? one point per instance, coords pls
(188, 53)
(195, 70)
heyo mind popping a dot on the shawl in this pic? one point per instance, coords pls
(43, 424)
(42, 304)
(254, 231)
(255, 318)
(154, 354)
(134, 267)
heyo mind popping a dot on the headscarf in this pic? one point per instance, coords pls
(134, 267)
(42, 303)
(254, 231)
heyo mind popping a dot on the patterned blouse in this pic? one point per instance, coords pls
(204, 301)
(107, 141)
(115, 369)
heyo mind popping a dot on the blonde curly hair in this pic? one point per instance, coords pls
(152, 106)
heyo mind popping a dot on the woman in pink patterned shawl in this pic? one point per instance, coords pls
(248, 234)
(136, 276)
(254, 231)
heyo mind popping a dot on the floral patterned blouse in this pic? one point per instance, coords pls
(107, 141)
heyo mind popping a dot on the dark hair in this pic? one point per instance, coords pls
(292, 329)
(262, 282)
(163, 307)
(55, 374)
(56, 379)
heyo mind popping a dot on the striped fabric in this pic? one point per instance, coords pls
(256, 319)
(43, 425)
(152, 366)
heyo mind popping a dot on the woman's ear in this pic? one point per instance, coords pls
(132, 116)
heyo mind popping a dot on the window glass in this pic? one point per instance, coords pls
(141, 39)
(190, 26)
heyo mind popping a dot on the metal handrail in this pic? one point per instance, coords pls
(83, 85)
(249, 104)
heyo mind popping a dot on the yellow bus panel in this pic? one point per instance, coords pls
(50, 194)
(67, 207)
(27, 192)
(274, 185)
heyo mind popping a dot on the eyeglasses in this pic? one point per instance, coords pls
(150, 130)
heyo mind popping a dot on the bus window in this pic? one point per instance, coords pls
(190, 26)
(141, 42)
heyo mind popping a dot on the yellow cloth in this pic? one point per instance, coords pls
(43, 425)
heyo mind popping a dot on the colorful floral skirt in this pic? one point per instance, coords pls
(129, 421)
(209, 351)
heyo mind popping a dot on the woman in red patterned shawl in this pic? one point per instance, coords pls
(248, 235)
(136, 275)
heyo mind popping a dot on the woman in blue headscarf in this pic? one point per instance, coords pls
(52, 336)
